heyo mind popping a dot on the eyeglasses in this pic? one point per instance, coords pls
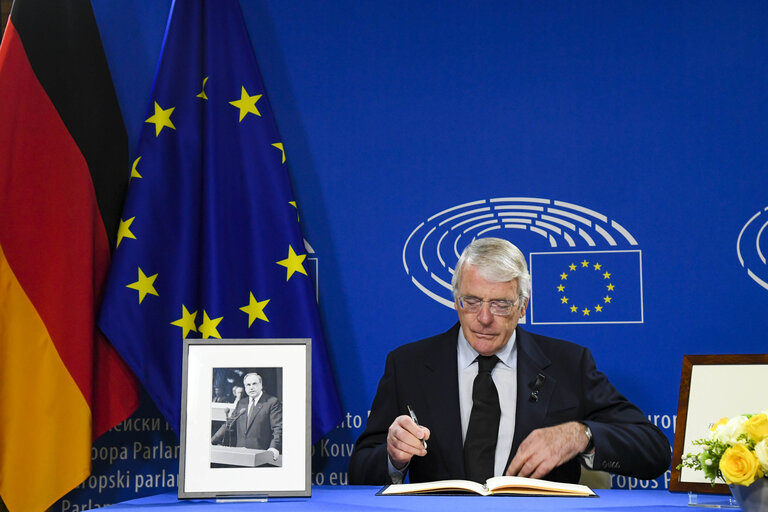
(498, 307)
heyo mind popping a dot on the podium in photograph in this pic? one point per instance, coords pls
(246, 457)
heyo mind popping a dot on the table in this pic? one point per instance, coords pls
(363, 498)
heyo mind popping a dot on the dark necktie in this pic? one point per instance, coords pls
(483, 429)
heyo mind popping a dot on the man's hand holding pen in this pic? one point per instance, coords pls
(405, 439)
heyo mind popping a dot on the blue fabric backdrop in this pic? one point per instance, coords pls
(645, 122)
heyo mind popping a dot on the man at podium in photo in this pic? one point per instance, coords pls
(492, 399)
(257, 419)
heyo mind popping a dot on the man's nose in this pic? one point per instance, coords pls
(484, 316)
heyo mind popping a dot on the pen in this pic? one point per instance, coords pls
(416, 421)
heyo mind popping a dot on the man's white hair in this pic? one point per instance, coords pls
(252, 373)
(497, 260)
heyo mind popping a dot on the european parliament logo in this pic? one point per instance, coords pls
(587, 287)
(752, 247)
(564, 242)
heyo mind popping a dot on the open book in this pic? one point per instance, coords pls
(496, 485)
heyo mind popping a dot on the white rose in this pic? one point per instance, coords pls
(761, 451)
(730, 432)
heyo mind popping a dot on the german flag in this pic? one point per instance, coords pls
(64, 171)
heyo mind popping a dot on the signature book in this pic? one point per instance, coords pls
(498, 485)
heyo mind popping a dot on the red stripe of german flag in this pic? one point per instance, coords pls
(63, 172)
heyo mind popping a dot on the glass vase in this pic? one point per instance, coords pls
(752, 498)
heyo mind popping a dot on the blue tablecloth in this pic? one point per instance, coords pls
(342, 498)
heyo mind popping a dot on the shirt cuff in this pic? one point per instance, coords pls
(588, 459)
(396, 475)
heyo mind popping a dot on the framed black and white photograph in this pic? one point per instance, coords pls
(713, 387)
(245, 419)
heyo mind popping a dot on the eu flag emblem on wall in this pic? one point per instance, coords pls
(592, 287)
(209, 244)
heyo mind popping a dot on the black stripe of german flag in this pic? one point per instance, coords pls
(74, 73)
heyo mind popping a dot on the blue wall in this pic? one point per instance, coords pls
(652, 114)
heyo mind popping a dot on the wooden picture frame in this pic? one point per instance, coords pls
(712, 387)
(251, 443)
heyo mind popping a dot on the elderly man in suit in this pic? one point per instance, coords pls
(494, 399)
(257, 418)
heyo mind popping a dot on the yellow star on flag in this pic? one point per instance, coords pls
(144, 285)
(564, 300)
(607, 299)
(134, 169)
(563, 276)
(255, 309)
(574, 308)
(572, 266)
(561, 288)
(607, 275)
(202, 92)
(294, 263)
(279, 145)
(585, 311)
(186, 322)
(246, 104)
(598, 308)
(610, 287)
(124, 230)
(597, 266)
(208, 327)
(161, 118)
(585, 263)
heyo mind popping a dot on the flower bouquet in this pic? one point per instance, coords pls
(736, 451)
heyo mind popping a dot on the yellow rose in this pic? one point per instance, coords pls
(721, 421)
(757, 427)
(740, 466)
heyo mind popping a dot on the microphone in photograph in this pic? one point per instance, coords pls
(232, 419)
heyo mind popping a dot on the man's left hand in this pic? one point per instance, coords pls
(274, 452)
(546, 448)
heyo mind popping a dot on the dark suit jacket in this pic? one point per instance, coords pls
(265, 430)
(424, 375)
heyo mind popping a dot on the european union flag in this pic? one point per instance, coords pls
(209, 243)
(593, 287)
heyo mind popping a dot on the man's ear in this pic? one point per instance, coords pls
(524, 307)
